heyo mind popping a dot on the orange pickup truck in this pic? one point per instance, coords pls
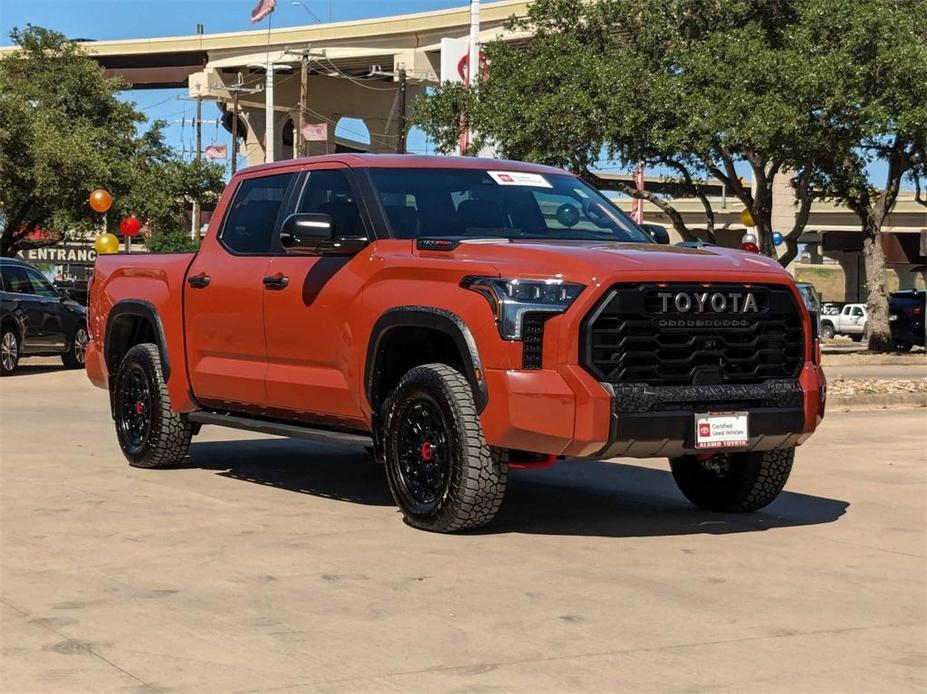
(458, 317)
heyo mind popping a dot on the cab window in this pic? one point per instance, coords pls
(328, 191)
(252, 216)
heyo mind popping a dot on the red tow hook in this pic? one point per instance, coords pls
(540, 464)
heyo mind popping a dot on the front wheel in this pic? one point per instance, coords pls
(827, 331)
(150, 433)
(74, 358)
(733, 482)
(441, 472)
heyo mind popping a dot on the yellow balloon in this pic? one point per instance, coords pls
(746, 218)
(106, 243)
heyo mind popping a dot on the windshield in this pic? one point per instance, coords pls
(473, 203)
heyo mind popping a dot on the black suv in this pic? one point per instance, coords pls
(906, 318)
(36, 320)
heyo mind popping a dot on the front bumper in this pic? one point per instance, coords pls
(658, 421)
(571, 414)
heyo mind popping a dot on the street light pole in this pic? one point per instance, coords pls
(269, 113)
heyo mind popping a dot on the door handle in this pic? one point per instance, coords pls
(278, 281)
(199, 281)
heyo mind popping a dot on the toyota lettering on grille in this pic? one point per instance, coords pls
(704, 302)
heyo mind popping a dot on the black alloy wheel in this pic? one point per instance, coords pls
(133, 405)
(424, 454)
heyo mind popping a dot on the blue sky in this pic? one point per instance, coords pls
(122, 19)
(125, 19)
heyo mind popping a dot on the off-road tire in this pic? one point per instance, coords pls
(12, 350)
(168, 433)
(75, 357)
(827, 331)
(748, 482)
(903, 346)
(476, 473)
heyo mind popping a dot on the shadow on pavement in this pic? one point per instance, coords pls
(27, 369)
(577, 497)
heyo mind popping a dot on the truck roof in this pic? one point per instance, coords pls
(409, 161)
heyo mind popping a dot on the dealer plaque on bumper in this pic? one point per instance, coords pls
(721, 430)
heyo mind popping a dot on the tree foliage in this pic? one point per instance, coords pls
(63, 132)
(875, 55)
(702, 89)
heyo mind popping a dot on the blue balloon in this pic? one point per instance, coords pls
(777, 238)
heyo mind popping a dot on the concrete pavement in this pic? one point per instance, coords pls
(268, 565)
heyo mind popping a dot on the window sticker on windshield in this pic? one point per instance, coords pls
(519, 178)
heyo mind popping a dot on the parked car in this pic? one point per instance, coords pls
(462, 317)
(906, 311)
(851, 321)
(36, 320)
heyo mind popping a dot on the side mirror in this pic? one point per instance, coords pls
(63, 294)
(306, 232)
(315, 232)
(658, 233)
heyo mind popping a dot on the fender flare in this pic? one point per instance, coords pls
(432, 318)
(140, 309)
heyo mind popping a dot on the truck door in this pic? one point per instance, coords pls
(311, 357)
(224, 297)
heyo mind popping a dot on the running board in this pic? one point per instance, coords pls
(339, 438)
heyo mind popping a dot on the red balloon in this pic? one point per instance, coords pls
(130, 226)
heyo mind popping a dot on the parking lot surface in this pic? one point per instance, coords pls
(269, 565)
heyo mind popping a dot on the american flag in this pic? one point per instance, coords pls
(263, 8)
(216, 152)
(315, 132)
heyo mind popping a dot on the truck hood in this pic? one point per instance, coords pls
(597, 261)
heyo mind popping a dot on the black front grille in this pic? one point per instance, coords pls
(641, 334)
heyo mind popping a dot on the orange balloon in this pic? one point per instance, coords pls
(100, 200)
(106, 243)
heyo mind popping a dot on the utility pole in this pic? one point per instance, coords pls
(299, 143)
(195, 221)
(305, 55)
(401, 142)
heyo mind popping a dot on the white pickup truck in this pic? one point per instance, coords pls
(850, 321)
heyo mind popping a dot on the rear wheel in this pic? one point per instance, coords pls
(733, 482)
(857, 337)
(74, 358)
(903, 346)
(440, 470)
(9, 350)
(150, 433)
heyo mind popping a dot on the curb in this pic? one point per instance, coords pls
(862, 401)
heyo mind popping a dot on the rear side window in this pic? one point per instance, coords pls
(252, 216)
(15, 279)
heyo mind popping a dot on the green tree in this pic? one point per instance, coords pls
(702, 89)
(874, 56)
(64, 131)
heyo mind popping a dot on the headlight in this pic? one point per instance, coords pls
(511, 299)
